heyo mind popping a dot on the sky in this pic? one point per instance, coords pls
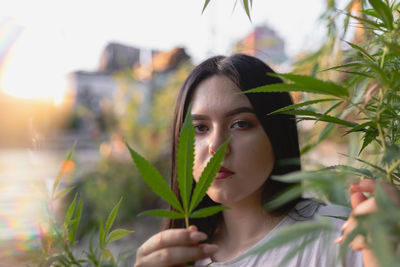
(62, 36)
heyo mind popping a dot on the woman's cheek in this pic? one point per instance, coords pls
(198, 155)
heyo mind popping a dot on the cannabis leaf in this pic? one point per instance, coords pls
(185, 159)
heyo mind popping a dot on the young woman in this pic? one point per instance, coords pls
(261, 145)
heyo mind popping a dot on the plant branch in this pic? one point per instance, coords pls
(391, 169)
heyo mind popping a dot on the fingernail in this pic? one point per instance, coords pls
(338, 240)
(192, 228)
(344, 226)
(209, 249)
(197, 236)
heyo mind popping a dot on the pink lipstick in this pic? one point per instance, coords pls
(223, 173)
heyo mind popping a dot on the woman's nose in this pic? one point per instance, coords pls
(216, 141)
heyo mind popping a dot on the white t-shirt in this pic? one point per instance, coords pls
(319, 253)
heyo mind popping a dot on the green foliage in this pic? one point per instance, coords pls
(364, 80)
(60, 174)
(185, 157)
(373, 84)
(247, 5)
(101, 188)
(205, 5)
(185, 160)
(60, 242)
(306, 232)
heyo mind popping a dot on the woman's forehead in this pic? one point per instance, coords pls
(219, 92)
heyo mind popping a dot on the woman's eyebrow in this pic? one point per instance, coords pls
(240, 110)
(227, 114)
(199, 117)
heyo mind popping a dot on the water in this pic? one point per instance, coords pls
(26, 178)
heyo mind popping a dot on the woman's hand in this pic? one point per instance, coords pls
(362, 205)
(174, 247)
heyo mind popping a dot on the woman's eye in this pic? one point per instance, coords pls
(242, 125)
(200, 129)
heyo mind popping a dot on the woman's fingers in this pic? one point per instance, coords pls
(369, 185)
(366, 207)
(356, 198)
(364, 186)
(171, 256)
(171, 238)
(358, 242)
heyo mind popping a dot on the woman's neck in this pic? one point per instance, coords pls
(244, 224)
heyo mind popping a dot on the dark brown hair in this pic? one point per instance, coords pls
(246, 72)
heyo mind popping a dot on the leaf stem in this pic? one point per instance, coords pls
(383, 56)
(187, 221)
(391, 169)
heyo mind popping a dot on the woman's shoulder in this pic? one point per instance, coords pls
(319, 252)
(309, 209)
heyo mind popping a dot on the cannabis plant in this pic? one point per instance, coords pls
(59, 243)
(364, 101)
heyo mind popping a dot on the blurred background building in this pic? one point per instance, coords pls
(264, 43)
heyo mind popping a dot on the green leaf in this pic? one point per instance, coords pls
(111, 218)
(298, 249)
(361, 171)
(346, 65)
(70, 210)
(325, 132)
(91, 252)
(63, 192)
(207, 176)
(395, 48)
(361, 50)
(369, 136)
(363, 20)
(101, 234)
(285, 197)
(332, 107)
(205, 5)
(107, 256)
(185, 159)
(298, 176)
(361, 127)
(382, 200)
(384, 12)
(291, 233)
(60, 172)
(371, 12)
(304, 84)
(374, 66)
(320, 117)
(364, 74)
(306, 103)
(163, 213)
(205, 212)
(368, 163)
(77, 218)
(314, 83)
(154, 180)
(117, 234)
(247, 8)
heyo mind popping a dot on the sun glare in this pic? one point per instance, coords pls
(32, 67)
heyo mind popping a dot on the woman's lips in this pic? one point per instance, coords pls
(223, 173)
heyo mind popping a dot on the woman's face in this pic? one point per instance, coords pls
(219, 112)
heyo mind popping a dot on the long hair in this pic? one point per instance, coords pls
(246, 72)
